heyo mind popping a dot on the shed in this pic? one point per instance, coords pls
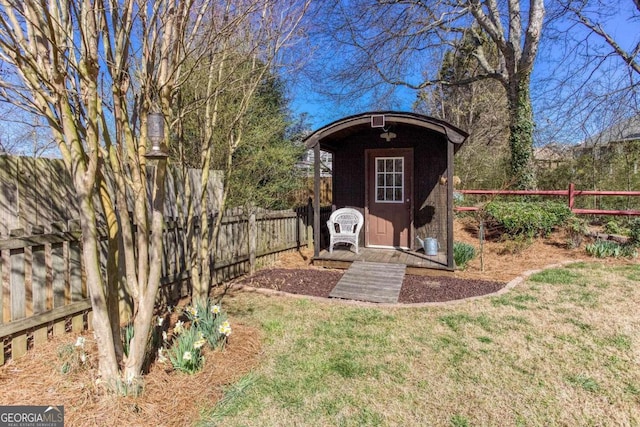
(396, 168)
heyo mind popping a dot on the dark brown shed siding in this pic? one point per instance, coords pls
(430, 215)
(430, 154)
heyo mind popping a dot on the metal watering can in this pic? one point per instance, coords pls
(430, 245)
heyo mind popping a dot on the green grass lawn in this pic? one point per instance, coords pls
(561, 349)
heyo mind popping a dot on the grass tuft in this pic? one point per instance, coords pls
(556, 276)
(231, 402)
(458, 420)
(584, 382)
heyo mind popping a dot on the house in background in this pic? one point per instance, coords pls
(396, 168)
(552, 155)
(308, 159)
(611, 140)
(604, 149)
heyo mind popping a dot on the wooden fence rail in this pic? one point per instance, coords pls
(570, 194)
(44, 290)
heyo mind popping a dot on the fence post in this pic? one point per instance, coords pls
(253, 240)
(310, 223)
(571, 196)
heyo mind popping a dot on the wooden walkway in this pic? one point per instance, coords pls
(416, 262)
(371, 281)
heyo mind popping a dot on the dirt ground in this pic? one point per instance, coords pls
(172, 399)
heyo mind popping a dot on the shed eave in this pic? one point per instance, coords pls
(453, 134)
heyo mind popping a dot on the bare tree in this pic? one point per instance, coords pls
(22, 133)
(244, 42)
(592, 78)
(74, 63)
(591, 14)
(479, 107)
(402, 43)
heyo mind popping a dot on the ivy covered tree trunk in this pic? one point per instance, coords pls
(521, 125)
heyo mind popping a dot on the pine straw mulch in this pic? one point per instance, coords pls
(169, 398)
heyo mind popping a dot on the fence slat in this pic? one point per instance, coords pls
(59, 273)
(17, 288)
(39, 279)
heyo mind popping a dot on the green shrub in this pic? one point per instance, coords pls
(612, 227)
(462, 254)
(576, 229)
(528, 218)
(608, 248)
(634, 233)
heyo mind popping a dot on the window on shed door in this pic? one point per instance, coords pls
(389, 179)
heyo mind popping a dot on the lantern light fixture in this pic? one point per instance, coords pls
(155, 134)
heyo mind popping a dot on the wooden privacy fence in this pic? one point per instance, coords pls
(44, 291)
(39, 192)
(570, 194)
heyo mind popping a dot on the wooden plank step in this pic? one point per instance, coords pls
(371, 281)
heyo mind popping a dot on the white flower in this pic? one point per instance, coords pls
(225, 328)
(215, 309)
(161, 357)
(83, 357)
(186, 355)
(164, 335)
(160, 320)
(179, 328)
(192, 310)
(80, 342)
(198, 344)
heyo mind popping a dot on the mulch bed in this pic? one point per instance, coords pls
(169, 399)
(415, 289)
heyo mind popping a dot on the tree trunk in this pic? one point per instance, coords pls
(144, 315)
(107, 360)
(113, 275)
(522, 172)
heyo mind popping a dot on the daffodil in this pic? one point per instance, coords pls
(215, 309)
(179, 328)
(160, 320)
(198, 344)
(192, 310)
(164, 335)
(161, 356)
(80, 342)
(225, 328)
(187, 355)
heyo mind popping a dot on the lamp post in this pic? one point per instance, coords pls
(155, 133)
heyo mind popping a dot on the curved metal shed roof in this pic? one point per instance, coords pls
(346, 126)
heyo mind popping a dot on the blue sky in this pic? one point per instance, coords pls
(322, 110)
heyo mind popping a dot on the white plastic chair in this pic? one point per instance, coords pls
(344, 227)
